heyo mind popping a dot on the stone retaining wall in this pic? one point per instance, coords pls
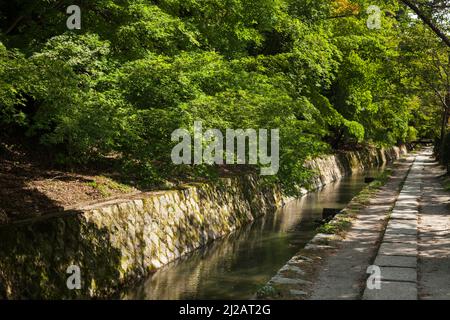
(333, 167)
(117, 242)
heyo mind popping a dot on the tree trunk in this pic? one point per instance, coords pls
(444, 128)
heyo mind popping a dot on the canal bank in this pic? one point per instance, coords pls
(237, 265)
(117, 242)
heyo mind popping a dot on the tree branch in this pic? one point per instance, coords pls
(427, 21)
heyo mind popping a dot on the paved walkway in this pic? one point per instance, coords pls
(397, 256)
(434, 234)
(343, 276)
(414, 256)
(403, 235)
(409, 246)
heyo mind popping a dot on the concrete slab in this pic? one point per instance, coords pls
(403, 216)
(400, 224)
(400, 238)
(297, 292)
(415, 211)
(392, 291)
(287, 281)
(390, 230)
(407, 200)
(398, 274)
(395, 249)
(396, 261)
(409, 197)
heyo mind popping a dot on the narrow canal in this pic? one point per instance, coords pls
(236, 266)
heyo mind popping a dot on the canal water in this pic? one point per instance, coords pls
(236, 266)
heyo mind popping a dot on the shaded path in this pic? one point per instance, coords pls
(434, 234)
(415, 253)
(397, 256)
(402, 237)
(344, 272)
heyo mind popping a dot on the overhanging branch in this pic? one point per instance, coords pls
(427, 21)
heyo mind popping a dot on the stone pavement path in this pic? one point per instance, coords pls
(414, 256)
(397, 256)
(403, 235)
(343, 275)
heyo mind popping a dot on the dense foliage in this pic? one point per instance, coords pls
(137, 70)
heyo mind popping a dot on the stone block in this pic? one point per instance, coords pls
(404, 215)
(396, 249)
(398, 274)
(392, 291)
(395, 227)
(287, 281)
(400, 238)
(400, 224)
(297, 293)
(396, 261)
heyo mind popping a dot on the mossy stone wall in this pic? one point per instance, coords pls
(115, 243)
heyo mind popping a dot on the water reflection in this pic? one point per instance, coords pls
(236, 266)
